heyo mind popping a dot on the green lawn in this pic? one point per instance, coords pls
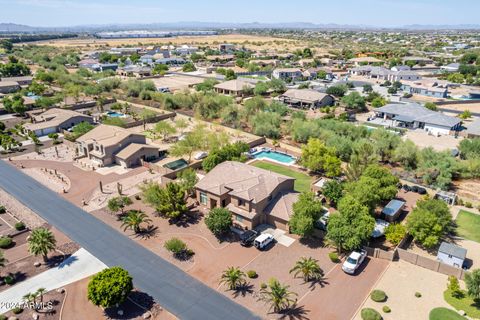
(302, 181)
(444, 314)
(466, 304)
(468, 225)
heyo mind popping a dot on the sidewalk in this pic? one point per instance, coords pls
(80, 265)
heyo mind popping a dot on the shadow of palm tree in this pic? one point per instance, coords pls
(147, 233)
(322, 282)
(243, 290)
(294, 313)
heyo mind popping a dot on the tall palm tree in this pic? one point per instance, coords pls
(40, 242)
(233, 278)
(308, 268)
(134, 219)
(277, 295)
(27, 297)
(41, 292)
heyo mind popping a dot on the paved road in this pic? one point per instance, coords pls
(173, 289)
(78, 266)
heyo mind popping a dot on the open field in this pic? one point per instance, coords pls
(468, 225)
(302, 182)
(260, 42)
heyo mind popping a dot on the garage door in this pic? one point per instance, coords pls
(46, 131)
(277, 223)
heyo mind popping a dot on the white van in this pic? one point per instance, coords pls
(262, 241)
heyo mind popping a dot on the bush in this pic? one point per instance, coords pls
(468, 204)
(418, 294)
(219, 221)
(395, 232)
(5, 242)
(17, 310)
(252, 274)
(263, 285)
(178, 248)
(386, 309)
(2, 209)
(378, 296)
(3, 317)
(334, 257)
(19, 226)
(10, 279)
(370, 314)
(110, 287)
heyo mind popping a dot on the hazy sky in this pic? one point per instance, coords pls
(367, 12)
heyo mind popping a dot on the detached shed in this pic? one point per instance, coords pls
(451, 254)
(393, 209)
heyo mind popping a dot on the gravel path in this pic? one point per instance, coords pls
(21, 212)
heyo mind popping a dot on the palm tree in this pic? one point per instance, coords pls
(41, 292)
(309, 269)
(134, 219)
(233, 278)
(27, 297)
(40, 242)
(277, 295)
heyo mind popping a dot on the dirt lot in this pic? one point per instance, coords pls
(265, 42)
(400, 282)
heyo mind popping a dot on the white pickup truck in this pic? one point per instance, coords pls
(353, 262)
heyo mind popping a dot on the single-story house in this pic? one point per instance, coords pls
(393, 210)
(416, 116)
(425, 89)
(287, 73)
(254, 196)
(417, 60)
(473, 129)
(364, 60)
(21, 80)
(312, 73)
(400, 68)
(9, 86)
(135, 71)
(452, 67)
(105, 145)
(55, 120)
(451, 254)
(236, 87)
(402, 75)
(306, 98)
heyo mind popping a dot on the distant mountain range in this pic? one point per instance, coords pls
(194, 25)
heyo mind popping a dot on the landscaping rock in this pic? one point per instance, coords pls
(35, 316)
(120, 312)
(147, 315)
(61, 290)
(37, 264)
(462, 313)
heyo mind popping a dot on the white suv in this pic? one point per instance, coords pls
(354, 261)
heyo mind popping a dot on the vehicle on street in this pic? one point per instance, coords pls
(247, 238)
(262, 241)
(354, 261)
(322, 222)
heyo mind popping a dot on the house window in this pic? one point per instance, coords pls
(241, 203)
(203, 198)
(450, 256)
(239, 218)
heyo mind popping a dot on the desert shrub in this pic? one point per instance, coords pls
(9, 279)
(468, 204)
(5, 242)
(3, 317)
(17, 310)
(370, 314)
(252, 274)
(263, 285)
(2, 209)
(178, 248)
(386, 309)
(334, 257)
(19, 226)
(378, 295)
(418, 294)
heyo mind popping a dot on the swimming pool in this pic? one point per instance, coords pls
(176, 165)
(115, 114)
(275, 156)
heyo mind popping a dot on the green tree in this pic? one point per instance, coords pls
(317, 157)
(261, 88)
(395, 232)
(472, 280)
(470, 148)
(333, 191)
(352, 226)
(431, 106)
(145, 115)
(192, 142)
(308, 268)
(338, 91)
(40, 242)
(233, 278)
(406, 154)
(454, 287)
(206, 85)
(119, 203)
(110, 287)
(189, 67)
(187, 179)
(367, 88)
(278, 296)
(219, 221)
(306, 210)
(229, 152)
(134, 219)
(169, 201)
(354, 101)
(164, 128)
(429, 222)
(378, 102)
(385, 143)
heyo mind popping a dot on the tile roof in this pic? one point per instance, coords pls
(282, 205)
(234, 85)
(304, 95)
(132, 149)
(52, 118)
(106, 135)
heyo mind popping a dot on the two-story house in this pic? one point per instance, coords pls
(254, 196)
(287, 73)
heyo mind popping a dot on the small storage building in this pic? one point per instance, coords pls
(393, 209)
(451, 254)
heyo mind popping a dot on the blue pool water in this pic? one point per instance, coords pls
(276, 156)
(115, 114)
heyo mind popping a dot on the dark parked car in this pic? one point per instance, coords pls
(421, 190)
(246, 239)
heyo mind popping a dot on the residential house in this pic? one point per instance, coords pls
(266, 62)
(185, 50)
(425, 88)
(452, 67)
(135, 71)
(473, 129)
(226, 47)
(312, 73)
(400, 68)
(402, 75)
(236, 87)
(55, 120)
(416, 116)
(21, 80)
(254, 196)
(306, 98)
(287, 73)
(105, 145)
(9, 87)
(417, 60)
(364, 61)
